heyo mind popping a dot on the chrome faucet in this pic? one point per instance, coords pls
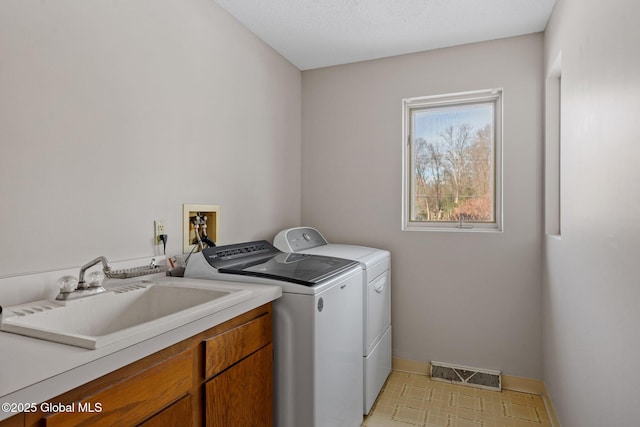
(74, 289)
(105, 267)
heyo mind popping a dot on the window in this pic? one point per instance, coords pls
(452, 161)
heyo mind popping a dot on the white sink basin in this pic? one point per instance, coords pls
(142, 308)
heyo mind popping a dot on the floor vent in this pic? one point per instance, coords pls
(474, 377)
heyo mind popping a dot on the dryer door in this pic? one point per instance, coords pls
(378, 309)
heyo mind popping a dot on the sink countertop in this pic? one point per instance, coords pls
(34, 370)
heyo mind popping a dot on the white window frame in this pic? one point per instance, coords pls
(408, 171)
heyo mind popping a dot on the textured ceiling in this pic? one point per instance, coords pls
(320, 33)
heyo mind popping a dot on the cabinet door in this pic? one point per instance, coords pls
(179, 414)
(243, 394)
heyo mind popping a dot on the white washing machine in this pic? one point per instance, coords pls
(317, 328)
(376, 265)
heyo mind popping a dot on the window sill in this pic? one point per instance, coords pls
(453, 229)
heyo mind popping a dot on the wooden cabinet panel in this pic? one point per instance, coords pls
(180, 414)
(15, 421)
(243, 394)
(227, 348)
(134, 399)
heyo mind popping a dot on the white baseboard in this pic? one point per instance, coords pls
(551, 411)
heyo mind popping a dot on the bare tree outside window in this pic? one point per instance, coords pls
(450, 162)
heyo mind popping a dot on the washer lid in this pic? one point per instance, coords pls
(304, 269)
(261, 259)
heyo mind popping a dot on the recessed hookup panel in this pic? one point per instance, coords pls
(209, 215)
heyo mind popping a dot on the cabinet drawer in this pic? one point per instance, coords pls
(133, 399)
(234, 345)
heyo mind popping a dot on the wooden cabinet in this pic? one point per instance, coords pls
(132, 400)
(249, 405)
(228, 347)
(221, 377)
(177, 415)
(15, 421)
(227, 403)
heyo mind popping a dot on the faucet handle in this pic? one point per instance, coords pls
(67, 284)
(95, 279)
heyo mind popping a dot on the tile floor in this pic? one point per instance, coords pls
(415, 400)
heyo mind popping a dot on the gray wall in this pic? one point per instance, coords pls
(591, 292)
(466, 298)
(115, 113)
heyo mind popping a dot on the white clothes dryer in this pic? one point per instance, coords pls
(376, 265)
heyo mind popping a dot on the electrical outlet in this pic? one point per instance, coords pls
(158, 229)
